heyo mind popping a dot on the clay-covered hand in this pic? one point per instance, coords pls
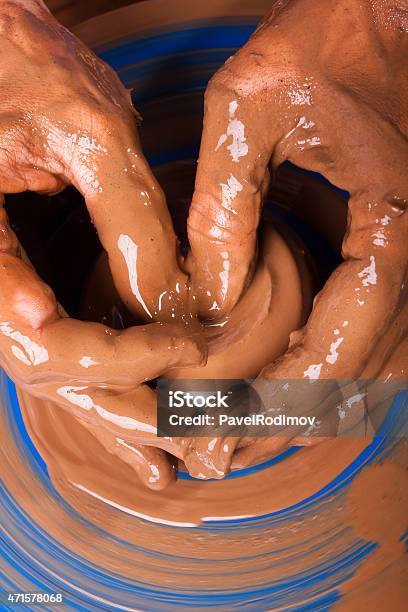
(94, 371)
(323, 85)
(97, 373)
(65, 118)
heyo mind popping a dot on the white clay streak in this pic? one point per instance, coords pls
(129, 251)
(236, 130)
(369, 274)
(145, 517)
(85, 402)
(34, 353)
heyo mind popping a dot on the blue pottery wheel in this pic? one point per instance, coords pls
(168, 68)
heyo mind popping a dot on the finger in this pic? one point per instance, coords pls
(36, 340)
(129, 211)
(224, 214)
(132, 417)
(29, 179)
(259, 451)
(263, 450)
(245, 119)
(152, 465)
(29, 359)
(208, 457)
(88, 138)
(22, 166)
(8, 240)
(32, 323)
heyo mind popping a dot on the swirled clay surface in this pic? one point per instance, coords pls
(300, 530)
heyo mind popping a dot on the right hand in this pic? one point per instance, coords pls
(324, 86)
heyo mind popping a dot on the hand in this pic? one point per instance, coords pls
(91, 370)
(65, 119)
(323, 85)
(304, 90)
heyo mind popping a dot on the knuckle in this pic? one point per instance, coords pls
(241, 76)
(224, 83)
(265, 63)
(90, 124)
(98, 118)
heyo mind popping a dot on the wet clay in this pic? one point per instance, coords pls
(101, 382)
(248, 556)
(276, 302)
(67, 447)
(68, 434)
(377, 507)
(285, 279)
(281, 290)
(125, 419)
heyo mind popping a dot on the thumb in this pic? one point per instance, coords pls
(232, 178)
